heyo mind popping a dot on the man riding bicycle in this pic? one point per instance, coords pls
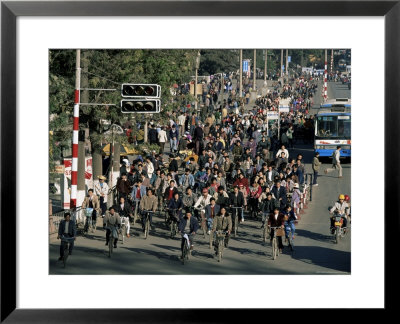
(342, 207)
(113, 222)
(66, 229)
(148, 203)
(188, 227)
(202, 202)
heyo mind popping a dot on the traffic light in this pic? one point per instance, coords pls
(144, 105)
(140, 90)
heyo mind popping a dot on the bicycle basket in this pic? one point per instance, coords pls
(280, 232)
(89, 212)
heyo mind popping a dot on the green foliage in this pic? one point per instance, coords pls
(218, 60)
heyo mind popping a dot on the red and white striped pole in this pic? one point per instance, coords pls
(326, 77)
(75, 132)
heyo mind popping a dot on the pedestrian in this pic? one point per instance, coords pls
(162, 138)
(315, 166)
(335, 162)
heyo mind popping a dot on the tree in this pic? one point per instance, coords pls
(218, 60)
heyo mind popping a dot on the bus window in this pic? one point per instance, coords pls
(326, 126)
(344, 127)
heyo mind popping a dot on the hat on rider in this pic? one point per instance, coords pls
(346, 197)
(341, 196)
(296, 185)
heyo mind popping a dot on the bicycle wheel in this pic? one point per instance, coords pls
(290, 240)
(184, 253)
(265, 234)
(146, 229)
(204, 227)
(236, 224)
(110, 246)
(171, 226)
(211, 240)
(66, 253)
(220, 250)
(274, 248)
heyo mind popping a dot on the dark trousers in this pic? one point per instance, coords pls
(108, 233)
(315, 177)
(103, 206)
(62, 245)
(162, 144)
(144, 217)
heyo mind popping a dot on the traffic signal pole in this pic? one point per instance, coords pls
(241, 74)
(75, 133)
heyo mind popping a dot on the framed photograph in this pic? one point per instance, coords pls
(348, 50)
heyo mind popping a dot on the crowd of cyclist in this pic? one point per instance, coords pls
(222, 161)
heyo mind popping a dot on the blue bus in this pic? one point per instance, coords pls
(333, 128)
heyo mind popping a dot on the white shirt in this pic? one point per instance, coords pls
(66, 227)
(181, 120)
(162, 136)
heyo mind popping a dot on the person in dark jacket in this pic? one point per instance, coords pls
(170, 191)
(276, 219)
(188, 225)
(268, 206)
(236, 199)
(67, 229)
(153, 135)
(198, 138)
(176, 204)
(280, 195)
(173, 164)
(123, 186)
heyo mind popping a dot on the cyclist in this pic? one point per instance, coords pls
(170, 191)
(66, 228)
(211, 211)
(202, 202)
(148, 202)
(124, 210)
(222, 222)
(289, 217)
(175, 204)
(268, 206)
(189, 226)
(343, 209)
(276, 219)
(91, 201)
(113, 222)
(237, 200)
(221, 197)
(187, 179)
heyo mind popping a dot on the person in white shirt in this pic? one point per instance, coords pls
(181, 123)
(101, 190)
(162, 139)
(150, 167)
(282, 149)
(335, 162)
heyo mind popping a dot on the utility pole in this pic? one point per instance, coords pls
(332, 61)
(241, 74)
(281, 63)
(254, 72)
(265, 66)
(75, 136)
(287, 63)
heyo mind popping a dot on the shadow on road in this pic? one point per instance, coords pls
(330, 259)
(314, 236)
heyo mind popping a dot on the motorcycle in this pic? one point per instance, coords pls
(338, 230)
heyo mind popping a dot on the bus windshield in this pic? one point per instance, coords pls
(333, 127)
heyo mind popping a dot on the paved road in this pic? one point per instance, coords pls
(315, 251)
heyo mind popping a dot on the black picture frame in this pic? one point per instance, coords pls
(10, 10)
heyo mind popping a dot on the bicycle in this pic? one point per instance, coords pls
(135, 211)
(112, 237)
(67, 241)
(289, 236)
(236, 219)
(203, 224)
(220, 240)
(146, 221)
(123, 229)
(266, 233)
(173, 225)
(89, 227)
(274, 242)
(186, 248)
